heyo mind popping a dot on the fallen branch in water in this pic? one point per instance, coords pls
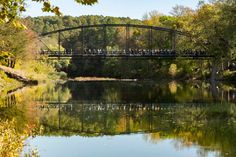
(18, 75)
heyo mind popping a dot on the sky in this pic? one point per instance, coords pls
(118, 8)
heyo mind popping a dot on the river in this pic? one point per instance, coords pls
(115, 118)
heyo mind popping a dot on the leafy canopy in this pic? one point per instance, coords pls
(9, 9)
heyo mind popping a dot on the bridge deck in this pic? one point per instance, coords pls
(128, 54)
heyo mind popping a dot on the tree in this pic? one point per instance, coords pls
(213, 28)
(10, 9)
(21, 49)
(229, 18)
(180, 10)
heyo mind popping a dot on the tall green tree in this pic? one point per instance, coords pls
(213, 28)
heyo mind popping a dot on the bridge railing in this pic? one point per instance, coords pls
(127, 53)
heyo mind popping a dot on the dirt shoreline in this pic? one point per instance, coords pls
(84, 79)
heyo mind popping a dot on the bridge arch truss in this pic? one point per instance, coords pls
(126, 52)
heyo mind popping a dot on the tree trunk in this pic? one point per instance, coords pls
(213, 72)
(213, 78)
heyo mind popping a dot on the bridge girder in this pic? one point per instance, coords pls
(156, 28)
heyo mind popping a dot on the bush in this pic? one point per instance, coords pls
(39, 70)
(173, 70)
(11, 141)
(62, 75)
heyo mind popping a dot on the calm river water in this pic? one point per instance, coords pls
(127, 119)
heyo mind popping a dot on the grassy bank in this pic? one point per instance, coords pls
(38, 70)
(32, 69)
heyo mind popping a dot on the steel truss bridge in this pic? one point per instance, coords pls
(128, 52)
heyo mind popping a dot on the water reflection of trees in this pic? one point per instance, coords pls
(210, 126)
(147, 92)
(159, 110)
(18, 119)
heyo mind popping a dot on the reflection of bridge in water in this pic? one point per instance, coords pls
(8, 101)
(97, 119)
(91, 119)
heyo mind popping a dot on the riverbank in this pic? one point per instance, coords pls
(12, 80)
(99, 79)
(26, 73)
(9, 84)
